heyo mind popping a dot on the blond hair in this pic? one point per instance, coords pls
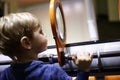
(12, 28)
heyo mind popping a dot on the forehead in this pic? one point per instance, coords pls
(37, 27)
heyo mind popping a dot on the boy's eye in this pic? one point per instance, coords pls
(41, 32)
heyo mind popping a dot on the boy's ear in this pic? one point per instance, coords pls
(25, 42)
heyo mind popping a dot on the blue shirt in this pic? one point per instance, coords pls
(37, 70)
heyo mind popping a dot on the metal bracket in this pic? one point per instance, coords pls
(100, 65)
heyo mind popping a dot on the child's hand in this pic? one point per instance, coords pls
(83, 60)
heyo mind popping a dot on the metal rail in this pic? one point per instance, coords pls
(53, 59)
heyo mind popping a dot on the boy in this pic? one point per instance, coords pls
(21, 38)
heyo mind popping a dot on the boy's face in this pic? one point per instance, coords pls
(39, 42)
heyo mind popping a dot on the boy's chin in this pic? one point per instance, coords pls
(43, 50)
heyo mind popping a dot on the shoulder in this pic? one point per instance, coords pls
(39, 67)
(54, 71)
(41, 64)
(58, 73)
(5, 73)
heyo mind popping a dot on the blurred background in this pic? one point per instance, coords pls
(86, 20)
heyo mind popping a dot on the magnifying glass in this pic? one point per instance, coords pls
(58, 28)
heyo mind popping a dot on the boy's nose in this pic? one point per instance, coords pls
(45, 34)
